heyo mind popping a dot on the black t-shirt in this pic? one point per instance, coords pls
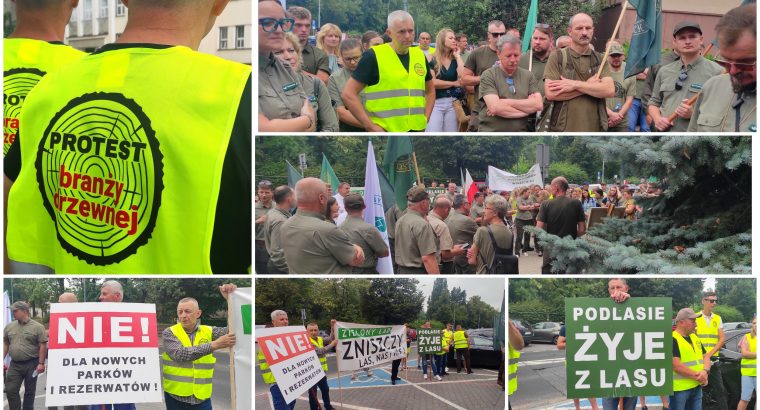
(561, 216)
(677, 350)
(446, 74)
(368, 73)
(231, 242)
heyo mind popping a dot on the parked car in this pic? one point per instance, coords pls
(736, 325)
(730, 357)
(525, 330)
(546, 332)
(482, 351)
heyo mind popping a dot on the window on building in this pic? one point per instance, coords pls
(87, 9)
(120, 9)
(103, 9)
(222, 38)
(239, 36)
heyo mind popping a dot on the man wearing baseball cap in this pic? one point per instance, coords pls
(681, 79)
(363, 234)
(689, 365)
(416, 245)
(26, 341)
(625, 90)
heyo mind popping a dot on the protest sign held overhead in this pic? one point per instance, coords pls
(292, 359)
(618, 349)
(429, 341)
(362, 346)
(103, 353)
(500, 180)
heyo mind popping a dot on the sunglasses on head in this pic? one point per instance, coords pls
(269, 25)
(511, 84)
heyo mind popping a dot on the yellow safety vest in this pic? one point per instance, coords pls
(189, 378)
(266, 374)
(691, 356)
(447, 335)
(25, 62)
(122, 162)
(708, 332)
(514, 357)
(749, 366)
(397, 101)
(320, 343)
(460, 340)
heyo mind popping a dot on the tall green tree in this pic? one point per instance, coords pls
(392, 301)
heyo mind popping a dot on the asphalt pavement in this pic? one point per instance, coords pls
(541, 381)
(457, 391)
(530, 263)
(220, 397)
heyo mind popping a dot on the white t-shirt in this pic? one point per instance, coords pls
(707, 320)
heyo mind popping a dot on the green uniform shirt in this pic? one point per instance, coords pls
(538, 68)
(482, 240)
(665, 59)
(476, 211)
(273, 240)
(442, 235)
(462, 230)
(260, 210)
(582, 111)
(24, 339)
(367, 236)
(319, 97)
(665, 95)
(494, 81)
(314, 246)
(414, 238)
(281, 96)
(524, 215)
(714, 111)
(314, 59)
(335, 86)
(391, 216)
(624, 88)
(480, 60)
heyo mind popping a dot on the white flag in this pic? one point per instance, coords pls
(374, 214)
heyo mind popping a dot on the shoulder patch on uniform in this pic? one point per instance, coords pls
(696, 86)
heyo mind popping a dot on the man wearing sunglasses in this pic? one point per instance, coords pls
(711, 335)
(480, 60)
(680, 80)
(510, 93)
(727, 102)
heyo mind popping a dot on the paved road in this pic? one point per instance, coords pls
(541, 381)
(220, 398)
(530, 264)
(456, 391)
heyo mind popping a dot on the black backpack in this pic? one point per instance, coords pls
(504, 262)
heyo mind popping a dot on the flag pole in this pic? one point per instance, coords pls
(416, 168)
(693, 99)
(530, 61)
(231, 329)
(614, 36)
(337, 364)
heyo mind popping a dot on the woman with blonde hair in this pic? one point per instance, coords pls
(448, 69)
(328, 40)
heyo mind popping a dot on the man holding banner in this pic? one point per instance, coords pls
(188, 360)
(321, 349)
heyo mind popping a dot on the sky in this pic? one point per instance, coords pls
(490, 290)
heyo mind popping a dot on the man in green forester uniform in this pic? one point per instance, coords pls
(416, 246)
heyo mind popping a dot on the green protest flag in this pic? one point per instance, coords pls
(397, 164)
(293, 175)
(429, 341)
(619, 349)
(386, 189)
(328, 175)
(530, 25)
(646, 39)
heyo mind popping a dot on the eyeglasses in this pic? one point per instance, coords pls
(728, 65)
(269, 25)
(497, 35)
(351, 59)
(712, 300)
(511, 83)
(681, 78)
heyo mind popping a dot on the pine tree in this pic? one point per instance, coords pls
(701, 224)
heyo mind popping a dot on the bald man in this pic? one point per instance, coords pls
(67, 297)
(578, 97)
(150, 155)
(312, 245)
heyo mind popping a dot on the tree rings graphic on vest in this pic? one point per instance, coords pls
(17, 83)
(100, 173)
(419, 69)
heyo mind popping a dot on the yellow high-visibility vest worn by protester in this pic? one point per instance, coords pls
(25, 62)
(320, 343)
(708, 332)
(266, 372)
(189, 378)
(749, 366)
(397, 101)
(514, 357)
(692, 357)
(122, 156)
(460, 340)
